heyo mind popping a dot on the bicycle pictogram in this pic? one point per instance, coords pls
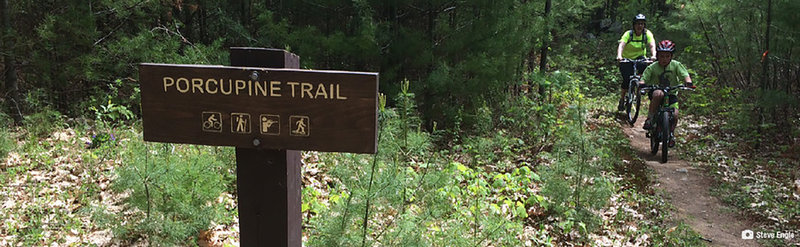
(212, 121)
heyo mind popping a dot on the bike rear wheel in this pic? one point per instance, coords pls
(664, 137)
(637, 102)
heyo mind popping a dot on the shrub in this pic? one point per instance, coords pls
(6, 142)
(41, 124)
(574, 183)
(409, 195)
(172, 191)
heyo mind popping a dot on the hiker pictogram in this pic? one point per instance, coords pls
(240, 123)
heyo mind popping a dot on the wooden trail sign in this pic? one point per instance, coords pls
(260, 107)
(265, 112)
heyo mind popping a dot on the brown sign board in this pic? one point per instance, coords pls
(266, 108)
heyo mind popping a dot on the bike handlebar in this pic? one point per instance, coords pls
(641, 60)
(657, 87)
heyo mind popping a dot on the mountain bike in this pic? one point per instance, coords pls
(660, 131)
(632, 99)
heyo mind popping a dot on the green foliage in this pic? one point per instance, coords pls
(7, 143)
(681, 235)
(80, 53)
(729, 50)
(710, 99)
(535, 120)
(574, 183)
(111, 114)
(491, 150)
(107, 117)
(464, 53)
(739, 111)
(476, 64)
(408, 195)
(161, 45)
(172, 189)
(743, 112)
(530, 119)
(406, 111)
(42, 123)
(503, 156)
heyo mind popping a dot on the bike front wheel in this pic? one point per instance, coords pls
(633, 102)
(664, 137)
(654, 140)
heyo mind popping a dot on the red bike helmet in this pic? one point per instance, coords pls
(665, 45)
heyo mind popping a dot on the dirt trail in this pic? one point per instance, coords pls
(688, 190)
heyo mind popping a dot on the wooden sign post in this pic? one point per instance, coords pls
(267, 108)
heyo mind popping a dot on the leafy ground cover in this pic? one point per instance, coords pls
(67, 189)
(757, 172)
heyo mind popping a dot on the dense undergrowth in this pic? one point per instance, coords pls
(482, 191)
(550, 174)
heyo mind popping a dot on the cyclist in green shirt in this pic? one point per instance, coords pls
(633, 45)
(665, 72)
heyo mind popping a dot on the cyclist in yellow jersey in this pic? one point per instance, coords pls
(634, 44)
(665, 72)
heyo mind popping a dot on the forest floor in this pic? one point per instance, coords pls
(687, 188)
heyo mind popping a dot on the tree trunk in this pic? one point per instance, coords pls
(660, 6)
(245, 13)
(545, 43)
(765, 59)
(202, 18)
(12, 87)
(715, 57)
(188, 20)
(726, 47)
(764, 78)
(611, 12)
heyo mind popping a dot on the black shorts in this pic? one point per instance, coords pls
(626, 70)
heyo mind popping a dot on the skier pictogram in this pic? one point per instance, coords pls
(300, 125)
